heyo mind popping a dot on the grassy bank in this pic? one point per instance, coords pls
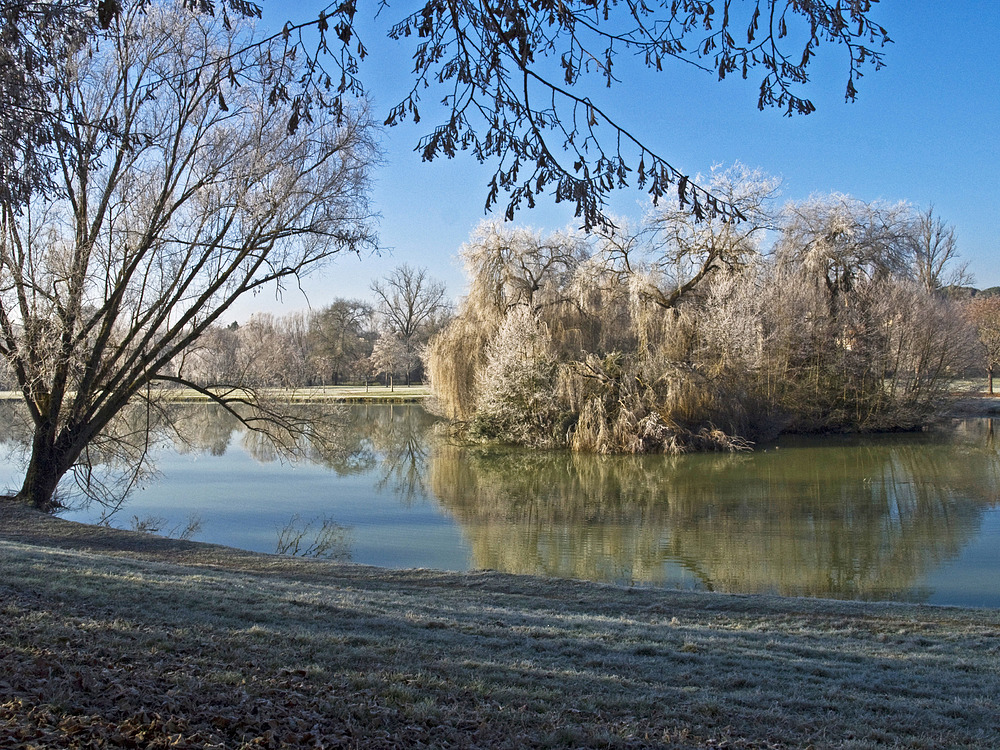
(115, 639)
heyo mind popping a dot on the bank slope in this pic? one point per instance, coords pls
(124, 640)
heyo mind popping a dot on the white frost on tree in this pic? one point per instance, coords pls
(516, 399)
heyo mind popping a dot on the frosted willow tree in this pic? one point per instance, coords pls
(688, 335)
(198, 194)
(675, 253)
(508, 268)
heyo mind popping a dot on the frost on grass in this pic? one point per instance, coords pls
(191, 646)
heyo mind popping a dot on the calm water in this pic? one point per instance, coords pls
(904, 517)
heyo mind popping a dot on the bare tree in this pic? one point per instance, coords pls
(514, 79)
(213, 358)
(935, 253)
(272, 351)
(201, 197)
(510, 266)
(984, 313)
(840, 241)
(674, 253)
(33, 32)
(35, 35)
(408, 299)
(856, 341)
(411, 305)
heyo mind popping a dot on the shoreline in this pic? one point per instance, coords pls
(967, 403)
(123, 639)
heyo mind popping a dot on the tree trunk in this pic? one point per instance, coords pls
(45, 468)
(989, 379)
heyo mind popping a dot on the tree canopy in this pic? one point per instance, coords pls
(513, 83)
(515, 78)
(688, 334)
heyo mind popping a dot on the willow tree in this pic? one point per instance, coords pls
(508, 268)
(199, 194)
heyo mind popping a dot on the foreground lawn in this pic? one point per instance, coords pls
(115, 639)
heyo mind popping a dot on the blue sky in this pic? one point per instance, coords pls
(926, 129)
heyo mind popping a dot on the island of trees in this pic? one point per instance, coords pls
(830, 314)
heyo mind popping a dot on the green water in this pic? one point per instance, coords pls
(907, 517)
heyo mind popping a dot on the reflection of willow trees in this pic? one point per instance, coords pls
(858, 519)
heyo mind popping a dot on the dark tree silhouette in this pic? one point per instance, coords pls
(513, 76)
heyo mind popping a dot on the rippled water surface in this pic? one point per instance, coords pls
(910, 517)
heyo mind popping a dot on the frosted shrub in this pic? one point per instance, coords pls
(516, 394)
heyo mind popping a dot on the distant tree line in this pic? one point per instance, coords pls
(830, 314)
(346, 341)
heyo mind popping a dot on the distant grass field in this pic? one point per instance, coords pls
(116, 639)
(330, 393)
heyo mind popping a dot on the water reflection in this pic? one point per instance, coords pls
(835, 518)
(211, 429)
(318, 433)
(402, 436)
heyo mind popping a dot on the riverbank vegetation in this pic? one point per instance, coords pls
(118, 639)
(828, 315)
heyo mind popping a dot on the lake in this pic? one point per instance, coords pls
(911, 517)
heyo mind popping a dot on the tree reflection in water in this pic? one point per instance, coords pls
(847, 518)
(208, 428)
(401, 435)
(201, 428)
